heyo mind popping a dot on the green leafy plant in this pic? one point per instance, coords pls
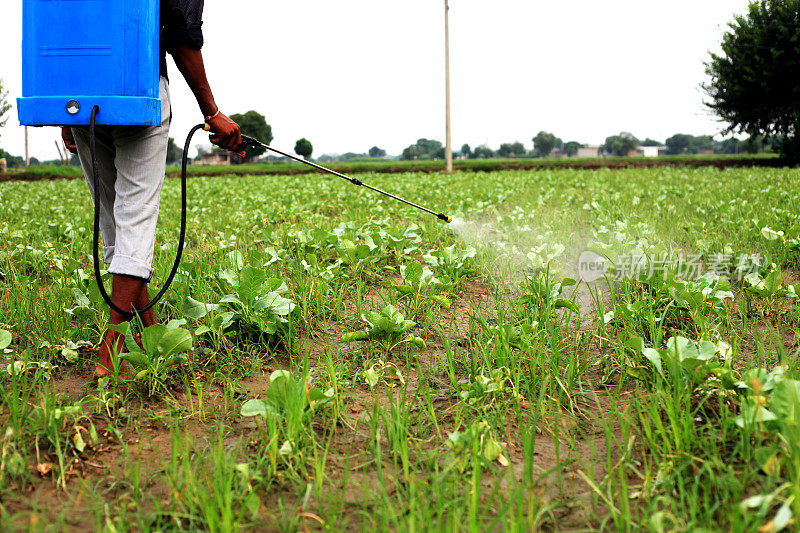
(419, 285)
(401, 241)
(454, 261)
(387, 327)
(476, 443)
(693, 363)
(256, 307)
(483, 390)
(164, 346)
(287, 404)
(387, 373)
(544, 295)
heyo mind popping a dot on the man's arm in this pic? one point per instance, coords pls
(190, 63)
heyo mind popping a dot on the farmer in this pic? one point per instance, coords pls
(132, 161)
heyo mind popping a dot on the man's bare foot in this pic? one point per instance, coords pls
(126, 292)
(148, 317)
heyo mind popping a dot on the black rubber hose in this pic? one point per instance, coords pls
(96, 241)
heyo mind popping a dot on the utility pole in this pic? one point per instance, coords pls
(448, 151)
(27, 159)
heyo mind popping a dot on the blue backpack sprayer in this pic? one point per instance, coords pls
(87, 63)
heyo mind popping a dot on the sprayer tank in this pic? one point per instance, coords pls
(81, 53)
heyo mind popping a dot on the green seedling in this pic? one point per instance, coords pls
(544, 295)
(476, 443)
(387, 373)
(164, 346)
(286, 408)
(419, 285)
(453, 261)
(691, 362)
(388, 328)
(484, 390)
(256, 307)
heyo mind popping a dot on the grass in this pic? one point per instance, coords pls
(530, 402)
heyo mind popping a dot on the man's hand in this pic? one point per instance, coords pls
(69, 140)
(226, 133)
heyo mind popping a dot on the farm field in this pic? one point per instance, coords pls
(393, 166)
(613, 350)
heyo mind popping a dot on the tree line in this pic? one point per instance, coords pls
(546, 144)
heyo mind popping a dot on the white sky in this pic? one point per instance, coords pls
(352, 74)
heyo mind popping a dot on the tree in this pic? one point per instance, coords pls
(622, 144)
(678, 143)
(650, 142)
(544, 143)
(303, 148)
(466, 151)
(701, 143)
(377, 152)
(12, 160)
(255, 125)
(424, 149)
(174, 154)
(4, 105)
(482, 152)
(730, 146)
(515, 149)
(752, 87)
(571, 148)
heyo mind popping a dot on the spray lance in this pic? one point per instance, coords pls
(247, 142)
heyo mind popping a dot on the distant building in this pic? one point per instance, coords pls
(648, 151)
(588, 151)
(212, 158)
(652, 151)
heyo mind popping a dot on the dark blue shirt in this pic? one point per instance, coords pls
(181, 25)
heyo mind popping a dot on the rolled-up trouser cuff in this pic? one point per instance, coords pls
(108, 254)
(130, 266)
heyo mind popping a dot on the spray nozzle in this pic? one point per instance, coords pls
(446, 218)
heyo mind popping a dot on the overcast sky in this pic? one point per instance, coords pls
(352, 74)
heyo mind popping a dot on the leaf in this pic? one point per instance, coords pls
(174, 341)
(371, 376)
(77, 440)
(195, 309)
(782, 517)
(412, 273)
(773, 282)
(441, 300)
(138, 358)
(785, 401)
(5, 339)
(130, 342)
(562, 303)
(355, 336)
(491, 448)
(417, 341)
(635, 343)
(276, 303)
(80, 298)
(654, 357)
(250, 281)
(230, 276)
(254, 408)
